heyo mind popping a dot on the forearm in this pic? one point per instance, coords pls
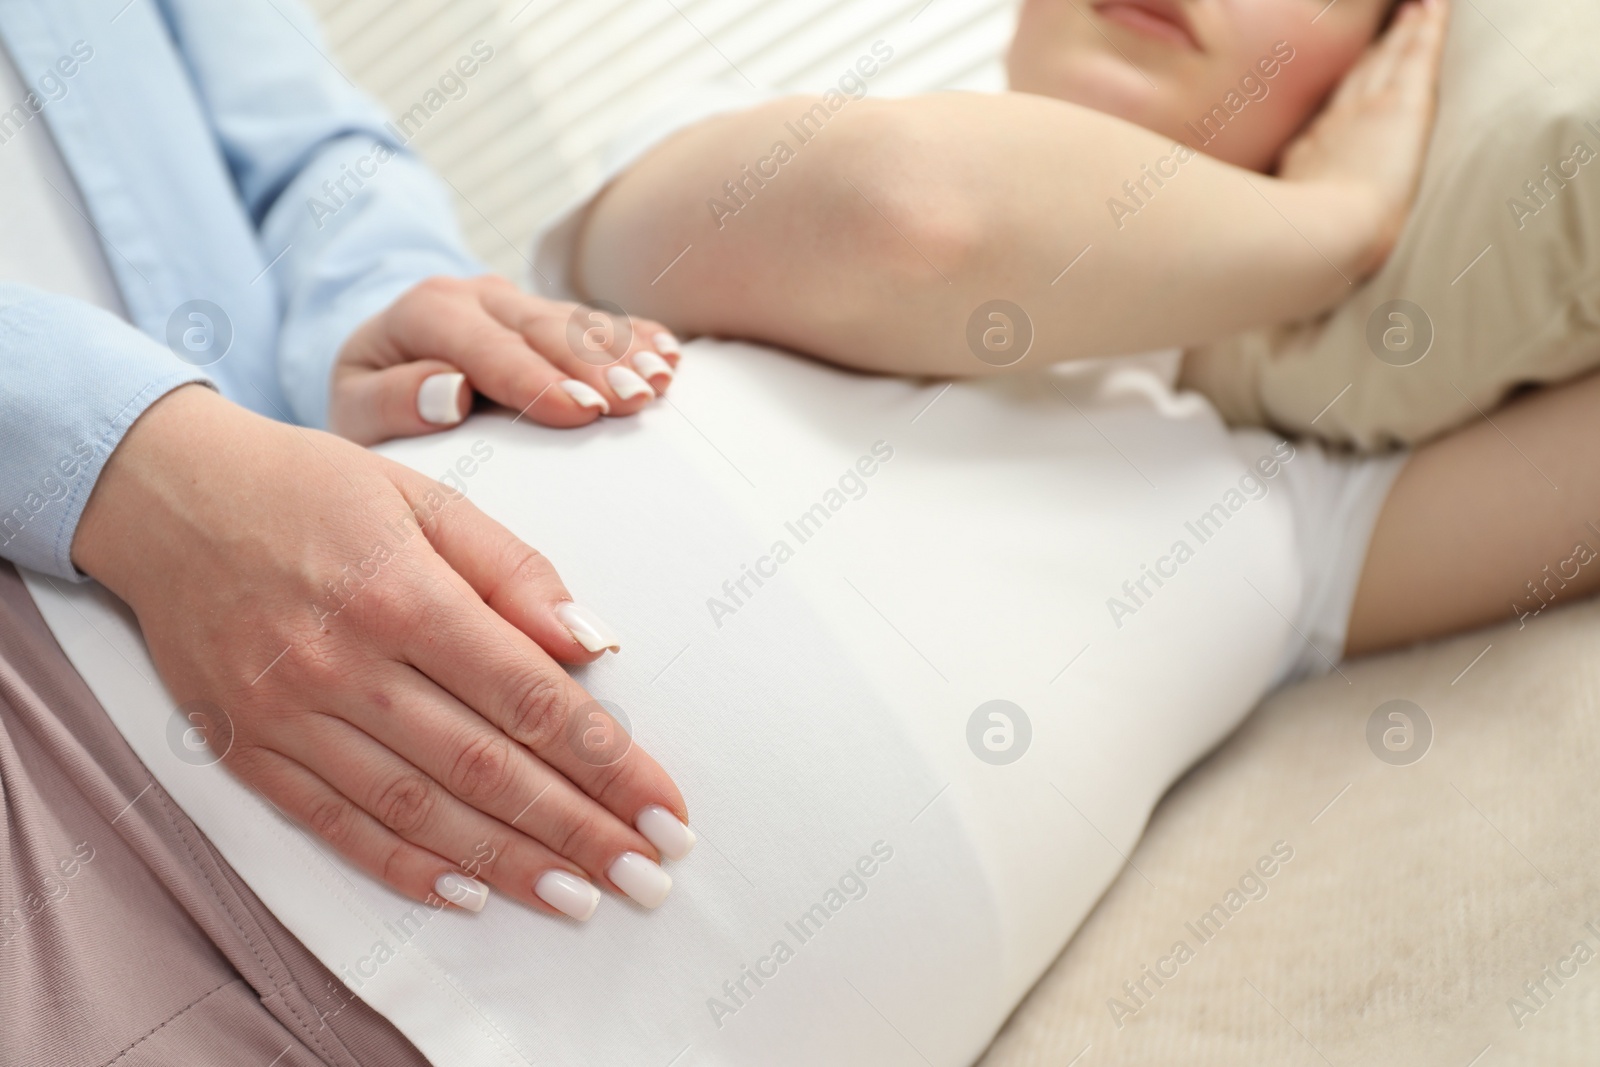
(1491, 523)
(874, 244)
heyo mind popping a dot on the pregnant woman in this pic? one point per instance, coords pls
(1050, 540)
(1279, 155)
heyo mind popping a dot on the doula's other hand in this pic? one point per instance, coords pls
(1373, 134)
(413, 368)
(385, 658)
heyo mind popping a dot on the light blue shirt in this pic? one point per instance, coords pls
(252, 205)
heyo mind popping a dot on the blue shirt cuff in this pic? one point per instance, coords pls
(75, 379)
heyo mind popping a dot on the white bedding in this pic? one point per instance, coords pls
(826, 718)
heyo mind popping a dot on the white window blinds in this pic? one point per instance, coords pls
(520, 136)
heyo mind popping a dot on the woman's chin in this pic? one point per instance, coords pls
(1108, 85)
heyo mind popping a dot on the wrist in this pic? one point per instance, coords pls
(146, 482)
(1345, 226)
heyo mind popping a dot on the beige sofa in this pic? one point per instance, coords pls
(1419, 900)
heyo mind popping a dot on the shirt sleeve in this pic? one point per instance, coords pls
(76, 378)
(347, 215)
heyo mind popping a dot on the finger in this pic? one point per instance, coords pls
(1368, 75)
(352, 833)
(651, 365)
(516, 581)
(1428, 47)
(505, 368)
(414, 807)
(488, 658)
(1389, 58)
(483, 768)
(487, 664)
(405, 400)
(446, 322)
(490, 667)
(662, 340)
(590, 344)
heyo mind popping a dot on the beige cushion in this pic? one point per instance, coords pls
(1521, 91)
(1416, 905)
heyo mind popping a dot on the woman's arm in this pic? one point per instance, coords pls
(1494, 522)
(871, 234)
(877, 241)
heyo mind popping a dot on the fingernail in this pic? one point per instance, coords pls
(667, 343)
(585, 394)
(568, 894)
(439, 399)
(587, 628)
(663, 830)
(642, 880)
(651, 365)
(469, 894)
(627, 384)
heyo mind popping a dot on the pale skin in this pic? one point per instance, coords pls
(420, 726)
(1477, 515)
(954, 200)
(874, 244)
(513, 348)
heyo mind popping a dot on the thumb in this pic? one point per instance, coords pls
(370, 405)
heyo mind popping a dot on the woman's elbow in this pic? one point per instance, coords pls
(899, 205)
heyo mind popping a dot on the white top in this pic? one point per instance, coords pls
(46, 238)
(819, 715)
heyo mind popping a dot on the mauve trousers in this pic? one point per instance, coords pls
(124, 937)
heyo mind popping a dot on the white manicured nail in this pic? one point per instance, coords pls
(439, 399)
(586, 395)
(663, 830)
(642, 880)
(651, 365)
(627, 384)
(568, 894)
(667, 343)
(466, 893)
(588, 628)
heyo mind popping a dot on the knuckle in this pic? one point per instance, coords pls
(488, 854)
(317, 669)
(539, 712)
(393, 866)
(406, 804)
(440, 286)
(333, 819)
(246, 761)
(571, 835)
(527, 564)
(489, 336)
(611, 783)
(483, 769)
(404, 614)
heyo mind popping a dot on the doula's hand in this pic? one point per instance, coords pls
(412, 369)
(1373, 134)
(385, 659)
